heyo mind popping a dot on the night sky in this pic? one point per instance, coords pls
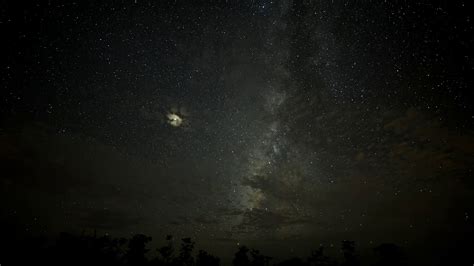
(280, 125)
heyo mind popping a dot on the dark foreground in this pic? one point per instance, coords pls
(70, 249)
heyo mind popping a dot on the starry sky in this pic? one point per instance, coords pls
(273, 124)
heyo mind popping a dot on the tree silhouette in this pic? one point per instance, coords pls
(206, 259)
(317, 258)
(259, 259)
(292, 262)
(348, 250)
(388, 254)
(137, 250)
(241, 258)
(185, 257)
(166, 252)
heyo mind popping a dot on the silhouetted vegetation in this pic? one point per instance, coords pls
(241, 257)
(73, 250)
(350, 258)
(388, 254)
(317, 258)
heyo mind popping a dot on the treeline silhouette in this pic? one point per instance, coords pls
(71, 249)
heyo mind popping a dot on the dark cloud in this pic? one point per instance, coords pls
(428, 150)
(265, 220)
(105, 219)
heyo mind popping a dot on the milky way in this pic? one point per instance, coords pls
(265, 123)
